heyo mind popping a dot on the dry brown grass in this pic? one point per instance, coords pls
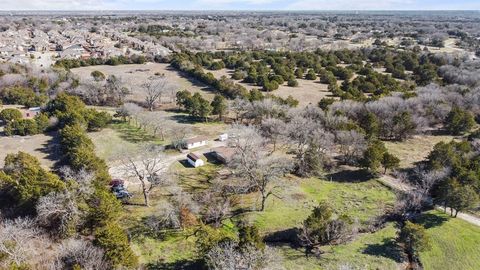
(136, 75)
(415, 149)
(40, 146)
(307, 92)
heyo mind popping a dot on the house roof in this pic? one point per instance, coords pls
(196, 139)
(193, 157)
(224, 152)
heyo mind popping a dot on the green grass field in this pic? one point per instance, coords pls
(455, 243)
(359, 199)
(118, 137)
(367, 251)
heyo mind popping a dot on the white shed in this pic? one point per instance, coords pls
(223, 137)
(194, 160)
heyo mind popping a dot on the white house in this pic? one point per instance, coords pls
(223, 137)
(196, 142)
(194, 160)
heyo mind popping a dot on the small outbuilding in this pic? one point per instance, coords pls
(194, 160)
(224, 154)
(223, 137)
(196, 142)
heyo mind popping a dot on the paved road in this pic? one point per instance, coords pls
(399, 185)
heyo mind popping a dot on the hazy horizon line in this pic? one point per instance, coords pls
(249, 10)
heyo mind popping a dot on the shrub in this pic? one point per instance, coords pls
(114, 241)
(459, 121)
(9, 115)
(293, 83)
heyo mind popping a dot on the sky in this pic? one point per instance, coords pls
(240, 5)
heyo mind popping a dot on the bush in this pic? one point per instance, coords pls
(97, 75)
(22, 96)
(114, 241)
(23, 127)
(270, 86)
(459, 121)
(26, 181)
(98, 120)
(311, 75)
(9, 115)
(293, 83)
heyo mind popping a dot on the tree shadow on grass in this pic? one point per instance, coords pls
(184, 119)
(52, 148)
(429, 220)
(359, 175)
(388, 249)
(178, 265)
(133, 134)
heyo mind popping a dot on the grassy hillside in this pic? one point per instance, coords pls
(455, 243)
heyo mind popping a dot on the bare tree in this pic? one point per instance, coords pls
(252, 162)
(227, 255)
(352, 144)
(74, 253)
(17, 239)
(167, 216)
(148, 168)
(128, 111)
(154, 89)
(273, 129)
(59, 213)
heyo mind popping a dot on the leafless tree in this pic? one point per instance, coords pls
(79, 253)
(227, 255)
(253, 163)
(17, 239)
(82, 178)
(273, 129)
(116, 90)
(148, 168)
(215, 204)
(167, 216)
(58, 212)
(129, 111)
(352, 144)
(154, 89)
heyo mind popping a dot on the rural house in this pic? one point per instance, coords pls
(196, 142)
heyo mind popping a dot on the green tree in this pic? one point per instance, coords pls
(369, 123)
(311, 75)
(207, 237)
(183, 98)
(219, 106)
(10, 114)
(114, 241)
(403, 125)
(249, 236)
(205, 109)
(373, 155)
(463, 197)
(292, 83)
(389, 161)
(321, 228)
(414, 239)
(324, 103)
(97, 120)
(459, 121)
(26, 180)
(97, 75)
